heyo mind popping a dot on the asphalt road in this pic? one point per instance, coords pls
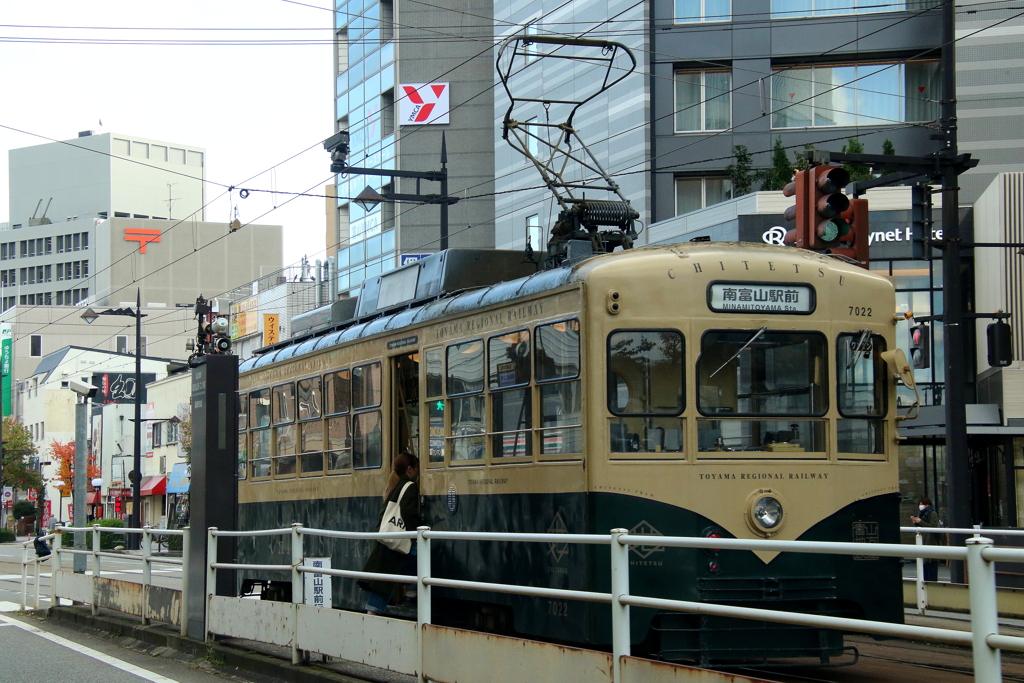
(32, 649)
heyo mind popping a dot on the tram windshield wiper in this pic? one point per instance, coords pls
(735, 355)
(855, 358)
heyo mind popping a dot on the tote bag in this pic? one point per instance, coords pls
(392, 522)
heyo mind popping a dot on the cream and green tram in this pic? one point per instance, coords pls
(697, 389)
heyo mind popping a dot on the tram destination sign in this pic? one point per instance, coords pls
(761, 297)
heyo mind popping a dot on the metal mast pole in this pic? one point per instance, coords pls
(958, 503)
(444, 193)
(137, 455)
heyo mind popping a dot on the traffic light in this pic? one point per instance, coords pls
(819, 203)
(117, 506)
(854, 244)
(920, 349)
(1000, 344)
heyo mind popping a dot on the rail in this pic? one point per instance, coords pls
(984, 638)
(920, 580)
(146, 559)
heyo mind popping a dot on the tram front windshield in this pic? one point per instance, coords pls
(760, 372)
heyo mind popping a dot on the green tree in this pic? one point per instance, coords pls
(23, 508)
(18, 448)
(740, 172)
(780, 173)
(856, 171)
(800, 161)
(888, 147)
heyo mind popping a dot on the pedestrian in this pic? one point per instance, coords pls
(401, 512)
(929, 518)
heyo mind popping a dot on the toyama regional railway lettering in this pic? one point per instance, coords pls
(489, 320)
(767, 475)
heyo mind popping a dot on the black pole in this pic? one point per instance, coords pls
(137, 459)
(444, 192)
(958, 502)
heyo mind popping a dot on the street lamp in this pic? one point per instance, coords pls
(90, 316)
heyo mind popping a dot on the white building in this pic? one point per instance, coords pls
(47, 406)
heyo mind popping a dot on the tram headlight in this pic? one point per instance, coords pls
(767, 512)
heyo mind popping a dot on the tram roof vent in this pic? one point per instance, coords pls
(339, 312)
(451, 270)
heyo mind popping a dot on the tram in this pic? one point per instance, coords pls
(699, 389)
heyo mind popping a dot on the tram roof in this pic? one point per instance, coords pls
(499, 293)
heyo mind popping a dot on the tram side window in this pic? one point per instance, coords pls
(367, 445)
(861, 391)
(311, 427)
(557, 357)
(434, 400)
(337, 392)
(243, 449)
(243, 412)
(508, 357)
(466, 435)
(260, 453)
(366, 386)
(259, 408)
(339, 444)
(284, 403)
(645, 391)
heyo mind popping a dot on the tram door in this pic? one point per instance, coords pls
(405, 378)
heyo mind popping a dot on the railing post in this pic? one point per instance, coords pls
(39, 589)
(147, 571)
(297, 579)
(620, 612)
(423, 616)
(922, 590)
(984, 611)
(211, 576)
(24, 576)
(95, 567)
(185, 543)
(55, 568)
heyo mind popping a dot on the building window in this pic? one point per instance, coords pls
(855, 94)
(702, 10)
(158, 434)
(533, 231)
(341, 50)
(530, 30)
(696, 193)
(121, 344)
(703, 100)
(36, 345)
(791, 9)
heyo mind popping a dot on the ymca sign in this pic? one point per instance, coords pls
(423, 103)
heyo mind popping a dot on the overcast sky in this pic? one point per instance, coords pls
(251, 106)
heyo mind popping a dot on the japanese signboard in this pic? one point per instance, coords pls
(271, 328)
(752, 297)
(423, 103)
(317, 588)
(119, 387)
(245, 317)
(6, 337)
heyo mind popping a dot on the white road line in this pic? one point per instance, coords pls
(88, 652)
(9, 606)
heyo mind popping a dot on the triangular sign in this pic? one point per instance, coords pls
(438, 89)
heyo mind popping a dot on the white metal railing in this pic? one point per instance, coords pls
(979, 554)
(35, 562)
(920, 585)
(146, 559)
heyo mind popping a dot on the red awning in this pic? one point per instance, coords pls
(154, 486)
(92, 498)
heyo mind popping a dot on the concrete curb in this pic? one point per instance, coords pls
(163, 636)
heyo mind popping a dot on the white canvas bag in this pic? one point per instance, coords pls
(393, 522)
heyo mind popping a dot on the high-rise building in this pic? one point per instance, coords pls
(405, 73)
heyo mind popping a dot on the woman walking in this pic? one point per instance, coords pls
(404, 490)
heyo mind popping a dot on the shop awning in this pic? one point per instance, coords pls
(92, 498)
(153, 486)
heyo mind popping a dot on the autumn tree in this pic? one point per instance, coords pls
(185, 436)
(64, 456)
(18, 449)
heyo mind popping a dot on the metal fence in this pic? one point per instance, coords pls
(146, 560)
(979, 554)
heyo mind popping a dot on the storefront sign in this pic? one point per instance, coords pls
(245, 317)
(423, 103)
(6, 336)
(271, 329)
(119, 387)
